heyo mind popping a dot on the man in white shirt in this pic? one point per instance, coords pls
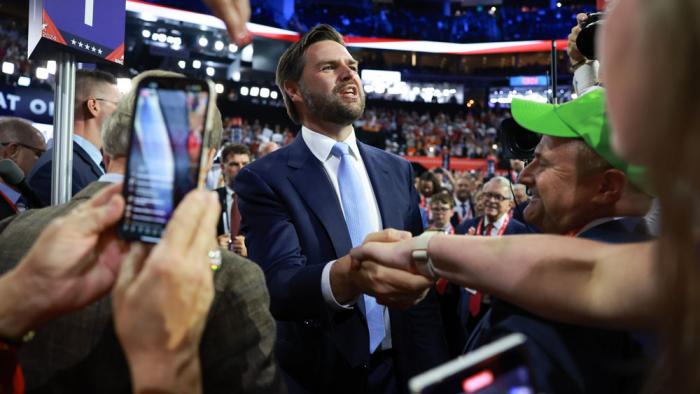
(96, 97)
(233, 158)
(498, 201)
(305, 206)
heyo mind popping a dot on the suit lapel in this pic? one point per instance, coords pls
(382, 185)
(87, 159)
(310, 180)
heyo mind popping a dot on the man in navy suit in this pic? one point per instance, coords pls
(233, 158)
(96, 97)
(580, 188)
(498, 202)
(305, 206)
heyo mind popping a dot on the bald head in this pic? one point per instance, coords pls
(20, 142)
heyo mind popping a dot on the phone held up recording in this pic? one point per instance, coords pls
(170, 132)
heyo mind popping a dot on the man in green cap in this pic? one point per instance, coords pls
(575, 178)
(579, 188)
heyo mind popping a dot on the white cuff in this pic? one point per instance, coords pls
(586, 78)
(327, 291)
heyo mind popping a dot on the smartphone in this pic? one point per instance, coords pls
(500, 367)
(169, 132)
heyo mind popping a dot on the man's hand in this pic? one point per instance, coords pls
(224, 240)
(396, 255)
(162, 297)
(235, 14)
(572, 50)
(72, 263)
(238, 245)
(391, 287)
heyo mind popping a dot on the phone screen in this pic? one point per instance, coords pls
(165, 153)
(497, 368)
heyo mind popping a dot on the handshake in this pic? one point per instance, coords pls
(381, 267)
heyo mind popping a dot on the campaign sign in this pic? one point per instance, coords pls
(35, 105)
(88, 28)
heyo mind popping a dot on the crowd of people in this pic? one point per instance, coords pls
(356, 276)
(466, 25)
(406, 133)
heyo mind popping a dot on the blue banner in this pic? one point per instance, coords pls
(35, 105)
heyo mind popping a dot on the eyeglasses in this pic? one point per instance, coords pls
(103, 99)
(495, 196)
(38, 152)
(439, 209)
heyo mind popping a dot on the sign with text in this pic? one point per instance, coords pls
(89, 28)
(35, 105)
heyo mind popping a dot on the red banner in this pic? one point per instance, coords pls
(457, 164)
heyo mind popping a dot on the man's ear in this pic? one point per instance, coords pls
(8, 150)
(92, 107)
(611, 186)
(293, 91)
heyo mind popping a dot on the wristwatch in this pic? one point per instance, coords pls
(420, 257)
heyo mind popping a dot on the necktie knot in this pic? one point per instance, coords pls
(340, 149)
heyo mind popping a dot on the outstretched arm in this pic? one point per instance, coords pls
(562, 278)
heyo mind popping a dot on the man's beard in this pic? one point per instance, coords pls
(329, 108)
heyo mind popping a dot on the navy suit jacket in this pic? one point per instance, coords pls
(514, 226)
(294, 225)
(85, 171)
(574, 359)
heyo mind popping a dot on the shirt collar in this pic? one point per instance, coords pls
(9, 192)
(498, 223)
(88, 147)
(321, 145)
(112, 177)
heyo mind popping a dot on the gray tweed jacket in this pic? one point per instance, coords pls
(80, 353)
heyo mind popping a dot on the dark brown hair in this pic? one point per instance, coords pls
(291, 64)
(234, 149)
(442, 198)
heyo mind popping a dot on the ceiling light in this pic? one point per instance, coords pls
(42, 73)
(8, 67)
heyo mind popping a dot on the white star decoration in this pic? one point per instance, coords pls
(73, 41)
(80, 44)
(99, 51)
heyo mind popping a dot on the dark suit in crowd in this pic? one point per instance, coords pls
(574, 359)
(294, 225)
(224, 208)
(85, 171)
(80, 353)
(455, 300)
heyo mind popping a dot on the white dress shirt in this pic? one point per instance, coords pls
(321, 146)
(496, 225)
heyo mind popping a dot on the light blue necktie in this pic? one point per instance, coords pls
(355, 209)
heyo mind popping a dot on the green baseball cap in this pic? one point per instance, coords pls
(583, 118)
